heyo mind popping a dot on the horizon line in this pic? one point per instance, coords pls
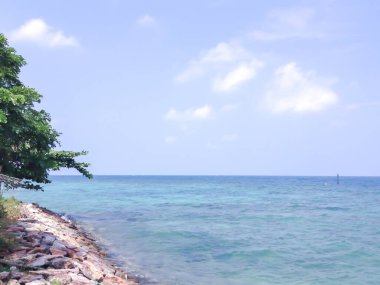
(221, 175)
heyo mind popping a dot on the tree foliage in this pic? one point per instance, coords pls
(27, 139)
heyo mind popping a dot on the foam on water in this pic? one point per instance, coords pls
(229, 230)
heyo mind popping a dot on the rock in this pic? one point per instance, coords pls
(12, 263)
(38, 282)
(41, 261)
(57, 252)
(62, 278)
(4, 252)
(30, 277)
(51, 271)
(80, 255)
(39, 249)
(120, 273)
(58, 263)
(16, 274)
(4, 275)
(114, 280)
(70, 252)
(77, 279)
(13, 282)
(47, 239)
(16, 255)
(58, 245)
(15, 228)
(33, 256)
(90, 271)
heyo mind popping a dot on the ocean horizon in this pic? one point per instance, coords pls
(220, 229)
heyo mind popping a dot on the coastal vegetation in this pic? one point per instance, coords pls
(27, 139)
(9, 213)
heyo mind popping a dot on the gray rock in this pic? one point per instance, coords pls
(79, 279)
(47, 239)
(58, 263)
(58, 245)
(16, 274)
(4, 275)
(30, 277)
(38, 282)
(41, 261)
(13, 282)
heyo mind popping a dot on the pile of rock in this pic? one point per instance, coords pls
(51, 250)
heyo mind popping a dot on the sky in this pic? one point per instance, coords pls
(218, 87)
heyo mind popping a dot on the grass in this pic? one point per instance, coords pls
(9, 212)
(9, 208)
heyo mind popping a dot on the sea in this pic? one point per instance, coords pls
(235, 230)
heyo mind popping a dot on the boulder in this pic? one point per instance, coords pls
(78, 279)
(90, 271)
(4, 275)
(58, 245)
(13, 282)
(47, 239)
(114, 280)
(38, 282)
(58, 263)
(30, 277)
(16, 255)
(41, 261)
(61, 277)
(39, 249)
(16, 274)
(52, 272)
(57, 252)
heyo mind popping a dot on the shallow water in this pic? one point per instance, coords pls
(229, 230)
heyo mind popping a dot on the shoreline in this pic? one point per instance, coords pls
(49, 249)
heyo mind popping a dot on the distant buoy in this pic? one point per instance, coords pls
(337, 179)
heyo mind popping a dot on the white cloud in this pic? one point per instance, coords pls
(147, 21)
(289, 23)
(197, 114)
(229, 63)
(37, 31)
(242, 73)
(293, 90)
(170, 139)
(230, 137)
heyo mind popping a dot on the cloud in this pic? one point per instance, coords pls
(147, 21)
(37, 31)
(170, 139)
(242, 73)
(230, 64)
(197, 114)
(293, 90)
(289, 23)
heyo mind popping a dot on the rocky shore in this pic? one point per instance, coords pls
(50, 250)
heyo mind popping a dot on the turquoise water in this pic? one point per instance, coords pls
(230, 230)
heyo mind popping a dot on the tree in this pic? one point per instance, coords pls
(27, 139)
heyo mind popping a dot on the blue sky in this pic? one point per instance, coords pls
(207, 87)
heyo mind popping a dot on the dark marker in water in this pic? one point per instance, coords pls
(337, 179)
